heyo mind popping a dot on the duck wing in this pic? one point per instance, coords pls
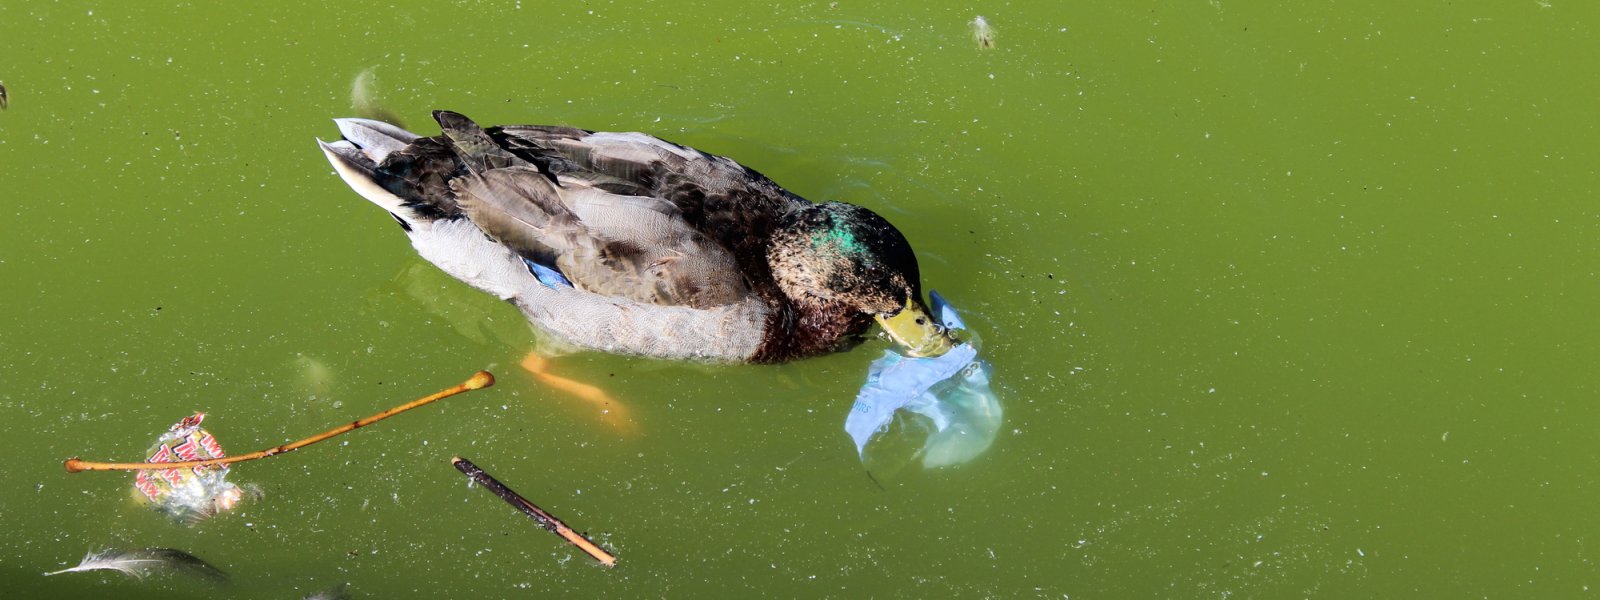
(722, 199)
(604, 236)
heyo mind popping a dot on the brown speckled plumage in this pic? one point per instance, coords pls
(632, 218)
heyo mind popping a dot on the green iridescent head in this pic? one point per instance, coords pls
(841, 253)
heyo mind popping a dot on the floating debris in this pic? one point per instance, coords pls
(951, 391)
(143, 562)
(316, 376)
(478, 381)
(544, 519)
(982, 33)
(338, 592)
(4, 101)
(188, 494)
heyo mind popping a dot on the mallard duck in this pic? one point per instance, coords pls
(627, 243)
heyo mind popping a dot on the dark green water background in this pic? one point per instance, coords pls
(1284, 300)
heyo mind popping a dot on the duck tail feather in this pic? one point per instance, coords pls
(472, 144)
(358, 169)
(375, 138)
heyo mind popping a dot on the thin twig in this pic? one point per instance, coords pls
(544, 519)
(478, 381)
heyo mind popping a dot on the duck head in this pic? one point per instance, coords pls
(838, 253)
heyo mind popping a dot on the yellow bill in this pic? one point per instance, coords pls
(913, 328)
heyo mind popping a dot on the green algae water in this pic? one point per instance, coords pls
(1282, 301)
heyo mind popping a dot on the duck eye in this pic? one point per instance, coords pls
(922, 321)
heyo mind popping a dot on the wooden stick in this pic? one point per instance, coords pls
(478, 381)
(544, 519)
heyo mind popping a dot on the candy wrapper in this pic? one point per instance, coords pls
(189, 494)
(961, 413)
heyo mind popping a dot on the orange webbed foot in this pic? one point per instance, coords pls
(612, 413)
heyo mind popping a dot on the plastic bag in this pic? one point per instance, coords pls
(189, 494)
(951, 391)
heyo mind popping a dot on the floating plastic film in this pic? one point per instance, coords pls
(957, 413)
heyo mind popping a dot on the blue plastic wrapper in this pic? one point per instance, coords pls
(951, 391)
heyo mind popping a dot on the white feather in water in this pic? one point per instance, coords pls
(338, 592)
(143, 562)
(982, 33)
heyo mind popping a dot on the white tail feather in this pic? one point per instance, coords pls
(354, 166)
(376, 139)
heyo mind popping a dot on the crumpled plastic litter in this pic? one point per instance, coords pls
(951, 391)
(189, 494)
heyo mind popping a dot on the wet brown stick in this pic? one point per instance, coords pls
(544, 519)
(478, 381)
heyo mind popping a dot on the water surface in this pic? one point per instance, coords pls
(1282, 302)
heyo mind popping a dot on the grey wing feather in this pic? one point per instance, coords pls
(651, 252)
(476, 149)
(631, 247)
(642, 161)
(720, 198)
(519, 208)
